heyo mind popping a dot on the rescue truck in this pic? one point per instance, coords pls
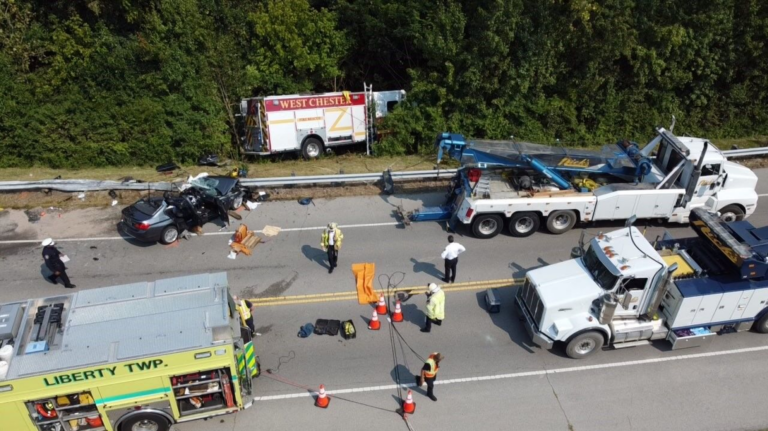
(623, 291)
(521, 186)
(314, 123)
(135, 357)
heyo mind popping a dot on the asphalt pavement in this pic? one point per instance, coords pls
(492, 377)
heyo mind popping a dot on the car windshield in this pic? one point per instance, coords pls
(207, 185)
(599, 272)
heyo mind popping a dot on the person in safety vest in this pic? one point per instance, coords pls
(429, 373)
(331, 243)
(435, 307)
(246, 310)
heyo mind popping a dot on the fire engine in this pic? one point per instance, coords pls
(314, 123)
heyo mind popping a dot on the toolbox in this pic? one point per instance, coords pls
(333, 327)
(321, 325)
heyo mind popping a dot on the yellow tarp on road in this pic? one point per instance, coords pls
(364, 273)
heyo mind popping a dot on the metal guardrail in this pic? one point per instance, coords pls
(92, 185)
(345, 178)
(746, 152)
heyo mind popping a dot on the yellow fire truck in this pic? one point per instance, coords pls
(135, 357)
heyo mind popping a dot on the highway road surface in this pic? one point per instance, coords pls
(493, 378)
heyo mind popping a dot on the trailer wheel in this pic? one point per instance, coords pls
(762, 325)
(311, 148)
(731, 213)
(145, 422)
(486, 226)
(524, 224)
(584, 345)
(560, 222)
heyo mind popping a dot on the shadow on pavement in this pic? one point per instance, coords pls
(507, 318)
(412, 314)
(427, 268)
(315, 254)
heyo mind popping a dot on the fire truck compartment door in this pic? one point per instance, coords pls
(282, 131)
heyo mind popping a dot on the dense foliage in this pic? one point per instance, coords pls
(104, 82)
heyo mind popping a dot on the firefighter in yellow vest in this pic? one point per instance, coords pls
(435, 307)
(331, 243)
(246, 309)
(429, 373)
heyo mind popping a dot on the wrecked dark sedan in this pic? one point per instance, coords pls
(162, 219)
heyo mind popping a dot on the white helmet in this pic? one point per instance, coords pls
(433, 287)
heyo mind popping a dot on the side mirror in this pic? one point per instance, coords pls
(672, 268)
(626, 300)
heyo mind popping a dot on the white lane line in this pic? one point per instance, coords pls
(523, 374)
(764, 194)
(112, 238)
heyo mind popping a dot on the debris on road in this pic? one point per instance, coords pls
(364, 273)
(244, 241)
(271, 230)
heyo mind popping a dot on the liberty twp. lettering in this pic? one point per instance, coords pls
(100, 373)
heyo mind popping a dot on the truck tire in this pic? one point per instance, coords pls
(311, 148)
(146, 422)
(761, 326)
(523, 224)
(560, 222)
(731, 213)
(169, 235)
(584, 345)
(486, 226)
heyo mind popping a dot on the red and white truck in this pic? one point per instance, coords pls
(313, 123)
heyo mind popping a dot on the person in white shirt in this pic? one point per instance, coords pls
(451, 257)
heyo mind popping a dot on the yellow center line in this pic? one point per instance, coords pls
(350, 296)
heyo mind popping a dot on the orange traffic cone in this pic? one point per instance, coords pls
(374, 324)
(322, 400)
(408, 405)
(381, 307)
(398, 316)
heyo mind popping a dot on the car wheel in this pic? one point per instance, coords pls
(560, 222)
(311, 148)
(584, 345)
(524, 224)
(169, 235)
(146, 422)
(731, 213)
(237, 203)
(486, 226)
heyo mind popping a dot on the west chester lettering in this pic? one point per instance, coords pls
(316, 102)
(100, 373)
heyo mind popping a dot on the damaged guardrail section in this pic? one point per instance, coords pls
(92, 185)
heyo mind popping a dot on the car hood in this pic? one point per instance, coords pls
(739, 176)
(564, 283)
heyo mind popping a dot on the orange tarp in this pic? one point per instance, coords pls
(364, 273)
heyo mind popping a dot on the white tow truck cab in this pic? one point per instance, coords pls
(623, 291)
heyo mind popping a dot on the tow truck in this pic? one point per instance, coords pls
(520, 186)
(624, 291)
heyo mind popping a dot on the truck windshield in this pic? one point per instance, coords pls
(603, 277)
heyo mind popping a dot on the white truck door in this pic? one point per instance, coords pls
(625, 206)
(756, 303)
(727, 306)
(646, 206)
(741, 304)
(706, 309)
(635, 288)
(359, 121)
(282, 131)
